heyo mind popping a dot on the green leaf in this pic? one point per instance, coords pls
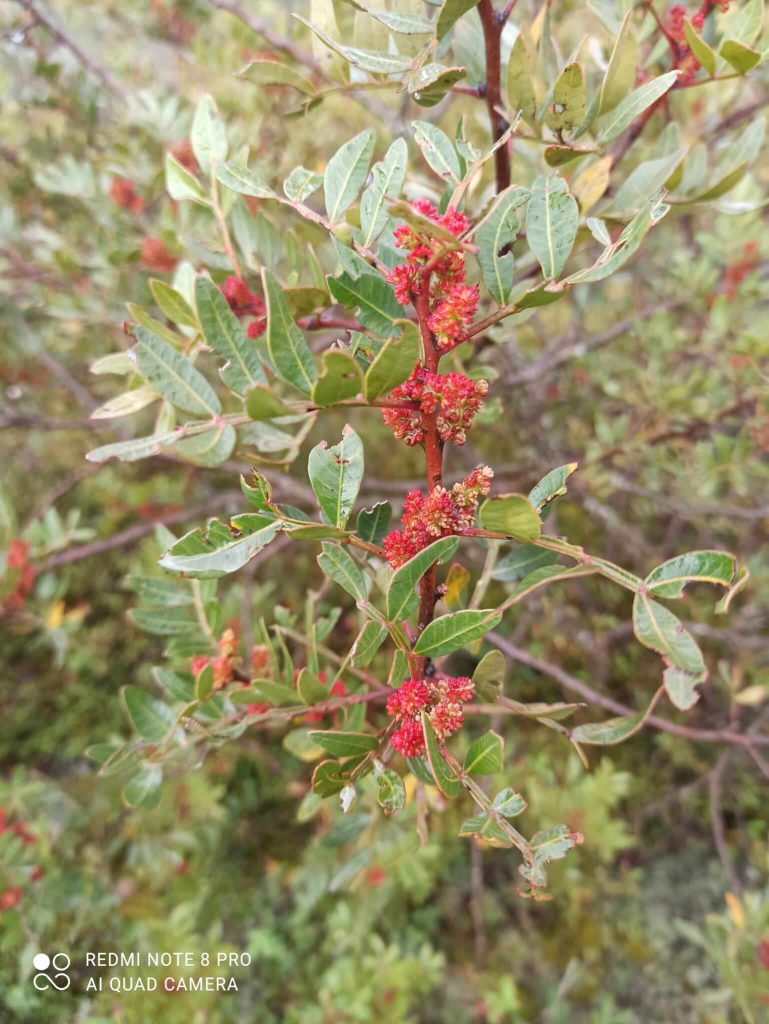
(605, 734)
(159, 591)
(345, 744)
(612, 125)
(485, 755)
(173, 376)
(301, 183)
(548, 845)
(216, 551)
(541, 577)
(371, 295)
(208, 137)
(270, 72)
(613, 730)
(126, 404)
(387, 179)
(368, 642)
(557, 156)
(618, 253)
(151, 718)
(485, 826)
(391, 793)
(336, 474)
(340, 378)
(646, 180)
(408, 575)
(566, 110)
(132, 451)
(404, 24)
(314, 531)
(508, 803)
(346, 173)
(116, 362)
(367, 60)
(430, 83)
(511, 514)
(181, 184)
(520, 82)
(489, 675)
(289, 352)
(143, 790)
(263, 404)
(670, 578)
(495, 237)
(438, 151)
(742, 58)
(746, 22)
(522, 561)
(328, 779)
(225, 335)
(393, 363)
(311, 689)
(450, 13)
(303, 301)
(340, 567)
(706, 57)
(620, 74)
(444, 777)
(143, 318)
(372, 524)
(165, 621)
(659, 629)
(178, 687)
(172, 304)
(680, 687)
(551, 223)
(275, 693)
(239, 179)
(300, 743)
(209, 448)
(449, 632)
(552, 485)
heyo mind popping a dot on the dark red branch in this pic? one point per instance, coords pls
(492, 34)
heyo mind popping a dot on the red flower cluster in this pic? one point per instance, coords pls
(20, 571)
(453, 303)
(441, 513)
(737, 272)
(441, 698)
(223, 666)
(243, 302)
(123, 192)
(455, 397)
(183, 153)
(687, 62)
(156, 256)
(12, 896)
(337, 689)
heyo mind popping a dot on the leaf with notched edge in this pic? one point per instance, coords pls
(336, 474)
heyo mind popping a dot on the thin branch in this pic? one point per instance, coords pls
(492, 37)
(570, 682)
(506, 11)
(558, 353)
(717, 822)
(85, 59)
(133, 533)
(280, 42)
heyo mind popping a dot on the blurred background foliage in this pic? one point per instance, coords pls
(655, 382)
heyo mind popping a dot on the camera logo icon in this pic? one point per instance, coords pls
(51, 972)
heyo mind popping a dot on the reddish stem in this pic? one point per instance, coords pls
(433, 459)
(492, 34)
